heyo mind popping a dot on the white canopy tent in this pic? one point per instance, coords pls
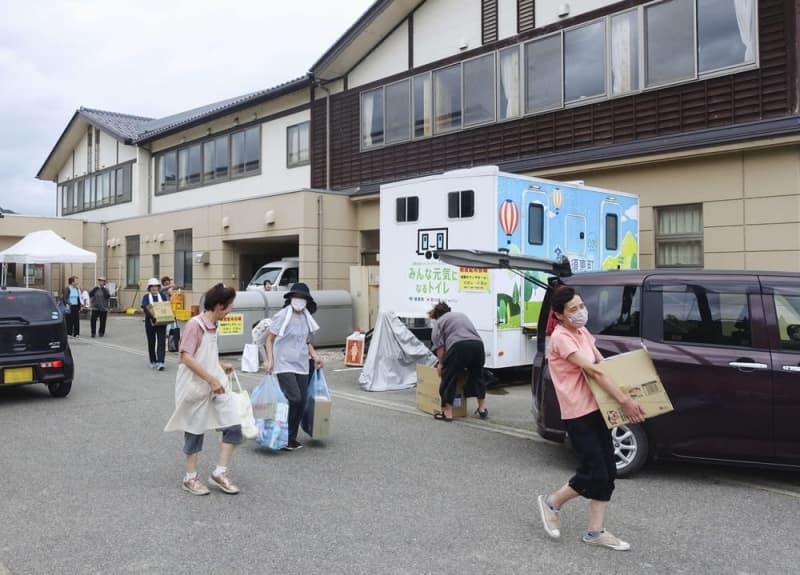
(44, 247)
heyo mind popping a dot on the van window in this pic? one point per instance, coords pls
(535, 224)
(613, 310)
(461, 204)
(289, 277)
(407, 209)
(787, 310)
(612, 235)
(693, 314)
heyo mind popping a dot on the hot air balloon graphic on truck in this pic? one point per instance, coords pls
(486, 209)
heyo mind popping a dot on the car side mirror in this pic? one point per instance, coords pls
(793, 331)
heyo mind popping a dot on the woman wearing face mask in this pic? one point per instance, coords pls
(572, 353)
(288, 351)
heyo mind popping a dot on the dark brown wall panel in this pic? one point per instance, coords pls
(765, 93)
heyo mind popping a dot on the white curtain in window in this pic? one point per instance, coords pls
(427, 106)
(682, 222)
(620, 55)
(294, 145)
(366, 119)
(744, 17)
(509, 77)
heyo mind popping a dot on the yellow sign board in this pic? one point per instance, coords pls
(473, 279)
(231, 324)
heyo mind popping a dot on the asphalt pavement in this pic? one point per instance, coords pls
(91, 484)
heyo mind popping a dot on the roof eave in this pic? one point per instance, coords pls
(282, 90)
(40, 175)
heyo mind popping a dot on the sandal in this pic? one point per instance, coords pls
(440, 416)
(482, 414)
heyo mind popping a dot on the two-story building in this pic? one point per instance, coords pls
(690, 104)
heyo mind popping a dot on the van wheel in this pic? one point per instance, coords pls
(630, 448)
(60, 388)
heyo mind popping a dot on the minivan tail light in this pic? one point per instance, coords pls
(52, 364)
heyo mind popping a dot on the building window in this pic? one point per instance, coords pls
(245, 151)
(725, 33)
(106, 188)
(215, 160)
(156, 265)
(297, 147)
(536, 224)
(679, 236)
(461, 204)
(372, 118)
(508, 89)
(585, 62)
(168, 172)
(479, 90)
(625, 53)
(183, 259)
(447, 99)
(398, 112)
(669, 35)
(132, 261)
(423, 104)
(407, 209)
(543, 74)
(189, 166)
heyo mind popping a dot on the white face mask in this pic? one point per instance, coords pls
(298, 304)
(579, 318)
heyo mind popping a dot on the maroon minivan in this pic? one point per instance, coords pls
(726, 345)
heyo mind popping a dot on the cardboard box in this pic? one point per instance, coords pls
(428, 399)
(634, 373)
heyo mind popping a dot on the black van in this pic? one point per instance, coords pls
(726, 345)
(33, 341)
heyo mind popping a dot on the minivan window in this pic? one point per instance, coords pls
(692, 314)
(613, 310)
(787, 310)
(27, 307)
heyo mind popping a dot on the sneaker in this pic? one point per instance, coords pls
(160, 366)
(153, 365)
(224, 483)
(550, 519)
(607, 539)
(195, 487)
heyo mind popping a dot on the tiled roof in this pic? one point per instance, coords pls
(161, 126)
(124, 126)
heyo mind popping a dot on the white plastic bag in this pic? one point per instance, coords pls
(250, 358)
(272, 411)
(249, 430)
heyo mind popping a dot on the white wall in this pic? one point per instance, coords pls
(108, 151)
(547, 10)
(506, 18)
(440, 27)
(390, 57)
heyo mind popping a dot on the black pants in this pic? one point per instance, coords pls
(462, 355)
(73, 319)
(591, 439)
(156, 341)
(295, 387)
(93, 321)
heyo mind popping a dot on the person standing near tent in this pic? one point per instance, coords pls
(156, 334)
(288, 351)
(72, 298)
(99, 300)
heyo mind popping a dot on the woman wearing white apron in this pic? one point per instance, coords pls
(203, 396)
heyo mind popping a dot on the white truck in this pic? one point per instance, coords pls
(485, 209)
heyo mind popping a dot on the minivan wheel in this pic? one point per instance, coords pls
(60, 388)
(630, 448)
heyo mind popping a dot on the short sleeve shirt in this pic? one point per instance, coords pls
(290, 351)
(193, 334)
(452, 328)
(574, 396)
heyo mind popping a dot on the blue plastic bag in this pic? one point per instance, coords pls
(318, 393)
(271, 411)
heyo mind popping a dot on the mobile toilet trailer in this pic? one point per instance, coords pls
(486, 209)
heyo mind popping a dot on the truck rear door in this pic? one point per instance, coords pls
(782, 311)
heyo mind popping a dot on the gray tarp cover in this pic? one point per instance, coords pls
(393, 356)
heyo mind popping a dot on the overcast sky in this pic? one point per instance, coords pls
(143, 57)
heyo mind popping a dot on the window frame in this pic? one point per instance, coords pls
(660, 238)
(74, 192)
(133, 260)
(487, 56)
(460, 204)
(299, 126)
(186, 261)
(405, 200)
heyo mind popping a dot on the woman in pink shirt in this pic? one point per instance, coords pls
(572, 353)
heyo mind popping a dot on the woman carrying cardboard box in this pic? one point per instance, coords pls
(156, 334)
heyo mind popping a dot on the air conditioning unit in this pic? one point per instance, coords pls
(201, 257)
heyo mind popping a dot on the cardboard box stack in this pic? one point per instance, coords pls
(428, 399)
